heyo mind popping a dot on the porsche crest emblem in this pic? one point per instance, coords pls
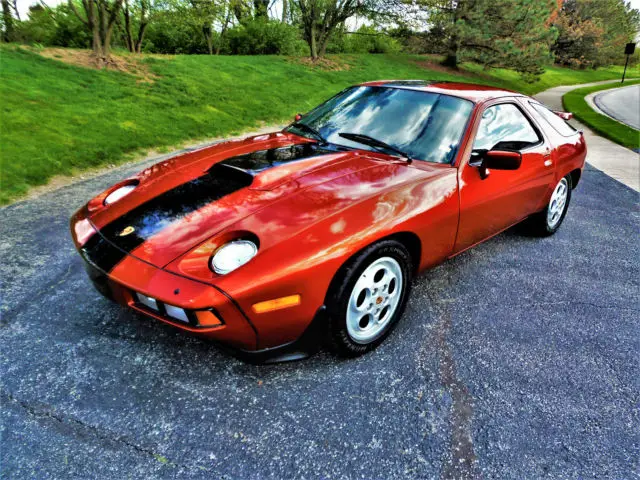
(128, 230)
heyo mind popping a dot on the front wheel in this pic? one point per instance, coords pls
(369, 298)
(548, 221)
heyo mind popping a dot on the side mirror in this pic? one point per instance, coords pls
(298, 117)
(502, 160)
(495, 159)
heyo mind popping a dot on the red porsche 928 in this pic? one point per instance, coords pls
(264, 243)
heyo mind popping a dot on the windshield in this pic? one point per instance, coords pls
(427, 126)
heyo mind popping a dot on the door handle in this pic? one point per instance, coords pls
(547, 158)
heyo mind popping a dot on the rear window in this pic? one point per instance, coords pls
(562, 127)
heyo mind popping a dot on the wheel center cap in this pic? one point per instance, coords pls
(378, 300)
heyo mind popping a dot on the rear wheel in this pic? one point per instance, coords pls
(548, 221)
(369, 298)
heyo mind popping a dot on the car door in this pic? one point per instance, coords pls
(492, 203)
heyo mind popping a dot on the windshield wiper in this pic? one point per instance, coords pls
(304, 127)
(375, 143)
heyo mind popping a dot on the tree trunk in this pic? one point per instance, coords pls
(313, 45)
(451, 59)
(97, 42)
(141, 32)
(206, 30)
(324, 41)
(100, 19)
(223, 31)
(127, 27)
(9, 30)
(285, 10)
(14, 6)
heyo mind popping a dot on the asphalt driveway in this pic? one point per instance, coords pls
(517, 359)
(623, 104)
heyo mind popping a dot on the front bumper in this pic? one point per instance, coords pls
(238, 342)
(131, 276)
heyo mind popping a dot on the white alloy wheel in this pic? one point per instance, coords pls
(374, 300)
(557, 203)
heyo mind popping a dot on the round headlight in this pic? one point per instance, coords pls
(118, 193)
(233, 255)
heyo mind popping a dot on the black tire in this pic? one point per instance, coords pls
(538, 224)
(339, 294)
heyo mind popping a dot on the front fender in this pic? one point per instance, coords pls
(307, 255)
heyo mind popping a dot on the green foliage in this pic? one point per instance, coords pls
(264, 37)
(170, 32)
(574, 102)
(594, 32)
(59, 119)
(368, 39)
(320, 20)
(507, 33)
(433, 41)
(57, 27)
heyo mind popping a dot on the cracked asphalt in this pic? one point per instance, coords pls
(517, 359)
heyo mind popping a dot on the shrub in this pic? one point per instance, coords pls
(264, 37)
(365, 40)
(170, 34)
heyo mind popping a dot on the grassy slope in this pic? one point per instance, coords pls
(59, 119)
(574, 102)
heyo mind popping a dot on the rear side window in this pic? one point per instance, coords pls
(562, 127)
(505, 126)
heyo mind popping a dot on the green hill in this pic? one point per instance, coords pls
(58, 118)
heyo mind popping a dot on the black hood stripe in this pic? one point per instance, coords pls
(101, 254)
(153, 216)
(112, 244)
(261, 160)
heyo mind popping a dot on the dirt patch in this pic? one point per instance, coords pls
(324, 63)
(85, 58)
(436, 67)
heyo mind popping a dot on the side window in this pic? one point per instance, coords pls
(505, 126)
(562, 127)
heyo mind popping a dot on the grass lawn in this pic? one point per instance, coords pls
(58, 119)
(574, 102)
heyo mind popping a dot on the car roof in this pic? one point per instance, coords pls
(471, 91)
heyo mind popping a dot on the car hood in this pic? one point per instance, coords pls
(188, 199)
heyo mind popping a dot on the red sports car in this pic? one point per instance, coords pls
(263, 244)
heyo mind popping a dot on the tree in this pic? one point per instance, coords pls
(99, 17)
(206, 13)
(497, 33)
(143, 9)
(8, 33)
(593, 33)
(320, 19)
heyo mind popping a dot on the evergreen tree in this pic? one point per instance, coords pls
(594, 32)
(513, 34)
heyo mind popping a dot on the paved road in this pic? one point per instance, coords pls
(623, 104)
(613, 159)
(517, 359)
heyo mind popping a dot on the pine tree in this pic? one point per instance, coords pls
(513, 34)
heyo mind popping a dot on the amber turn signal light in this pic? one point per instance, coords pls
(277, 304)
(207, 318)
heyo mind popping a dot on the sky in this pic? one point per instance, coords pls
(23, 5)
